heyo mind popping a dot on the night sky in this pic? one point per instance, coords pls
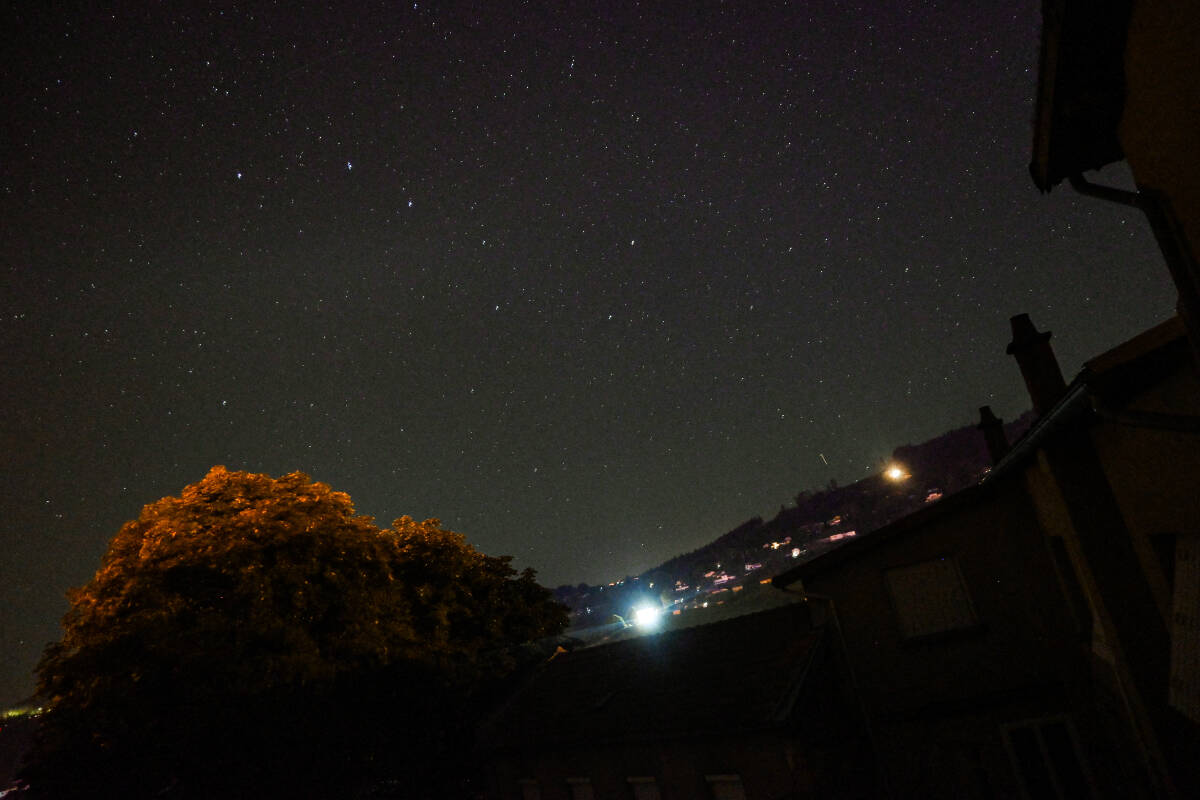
(591, 282)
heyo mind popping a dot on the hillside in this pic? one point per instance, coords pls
(759, 549)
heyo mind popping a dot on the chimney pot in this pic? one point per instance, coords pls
(1039, 367)
(993, 433)
(1024, 334)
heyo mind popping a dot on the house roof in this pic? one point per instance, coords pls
(1106, 384)
(742, 674)
(892, 530)
(1081, 88)
(1146, 358)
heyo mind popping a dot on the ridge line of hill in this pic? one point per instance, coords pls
(758, 549)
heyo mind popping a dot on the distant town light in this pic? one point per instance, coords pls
(895, 472)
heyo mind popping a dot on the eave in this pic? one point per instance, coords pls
(1081, 88)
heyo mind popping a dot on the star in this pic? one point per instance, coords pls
(784, 190)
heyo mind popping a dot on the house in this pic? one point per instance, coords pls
(1112, 470)
(1111, 474)
(747, 707)
(1035, 635)
(963, 654)
(1116, 81)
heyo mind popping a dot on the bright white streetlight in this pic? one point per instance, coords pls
(646, 616)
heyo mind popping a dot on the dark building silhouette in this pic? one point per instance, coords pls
(1039, 367)
(753, 706)
(993, 433)
(1033, 635)
(1036, 635)
(1117, 81)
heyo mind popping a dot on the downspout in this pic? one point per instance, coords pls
(831, 609)
(1171, 244)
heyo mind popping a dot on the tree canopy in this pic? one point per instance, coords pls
(253, 596)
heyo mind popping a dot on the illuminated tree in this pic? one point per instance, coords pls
(254, 619)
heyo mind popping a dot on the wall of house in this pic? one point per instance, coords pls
(1161, 122)
(1154, 472)
(1154, 475)
(1012, 589)
(940, 705)
(1116, 496)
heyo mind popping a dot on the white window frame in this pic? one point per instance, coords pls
(644, 787)
(530, 788)
(1037, 725)
(580, 788)
(731, 779)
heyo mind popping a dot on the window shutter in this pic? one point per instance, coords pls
(930, 597)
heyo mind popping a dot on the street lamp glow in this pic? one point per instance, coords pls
(895, 472)
(646, 616)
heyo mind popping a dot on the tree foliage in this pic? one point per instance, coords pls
(266, 614)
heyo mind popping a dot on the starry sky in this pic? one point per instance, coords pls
(591, 282)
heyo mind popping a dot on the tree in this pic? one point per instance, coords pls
(255, 619)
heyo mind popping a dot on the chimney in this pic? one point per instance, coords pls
(993, 433)
(1038, 365)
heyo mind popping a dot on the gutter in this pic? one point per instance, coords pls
(1111, 193)
(1074, 403)
(1171, 243)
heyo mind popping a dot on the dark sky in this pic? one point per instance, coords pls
(591, 282)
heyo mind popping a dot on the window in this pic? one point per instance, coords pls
(930, 597)
(530, 790)
(581, 788)
(725, 787)
(644, 789)
(1047, 760)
